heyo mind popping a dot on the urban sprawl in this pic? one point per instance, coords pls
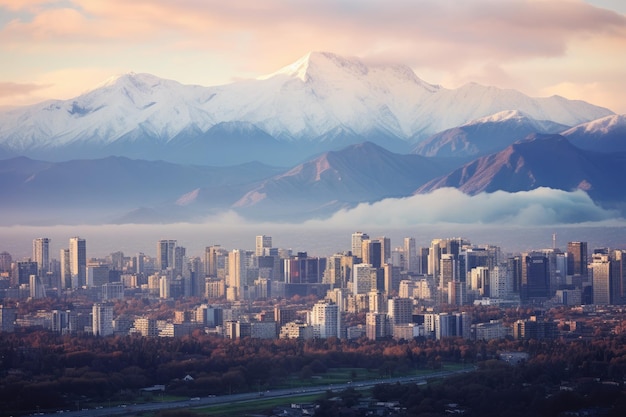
(373, 290)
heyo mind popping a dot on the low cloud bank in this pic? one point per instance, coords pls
(542, 206)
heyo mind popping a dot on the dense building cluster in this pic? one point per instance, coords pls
(401, 292)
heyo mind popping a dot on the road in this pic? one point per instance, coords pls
(251, 396)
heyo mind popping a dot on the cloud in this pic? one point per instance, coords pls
(542, 206)
(10, 89)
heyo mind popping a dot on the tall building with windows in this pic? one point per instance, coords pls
(41, 247)
(37, 288)
(102, 319)
(602, 280)
(326, 320)
(577, 259)
(78, 262)
(410, 256)
(263, 245)
(66, 275)
(165, 254)
(535, 283)
(357, 244)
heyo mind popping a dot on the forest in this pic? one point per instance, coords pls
(59, 371)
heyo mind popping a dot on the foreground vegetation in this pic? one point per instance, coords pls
(59, 371)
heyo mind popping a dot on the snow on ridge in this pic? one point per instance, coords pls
(601, 125)
(305, 100)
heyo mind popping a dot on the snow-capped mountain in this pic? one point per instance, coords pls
(485, 135)
(607, 134)
(318, 102)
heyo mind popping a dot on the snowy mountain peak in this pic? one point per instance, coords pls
(500, 117)
(602, 125)
(315, 64)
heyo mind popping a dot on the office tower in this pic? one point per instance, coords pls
(140, 263)
(447, 274)
(78, 262)
(97, 275)
(391, 278)
(618, 258)
(5, 262)
(371, 252)
(237, 272)
(400, 310)
(602, 280)
(410, 256)
(210, 260)
(66, 275)
(41, 247)
(7, 319)
(37, 289)
(117, 261)
(263, 245)
(357, 244)
(179, 260)
(165, 287)
(102, 319)
(326, 320)
(113, 291)
(302, 269)
(376, 325)
(535, 276)
(165, 254)
(514, 266)
(479, 281)
(577, 259)
(362, 278)
(434, 257)
(24, 270)
(500, 285)
(385, 249)
(332, 274)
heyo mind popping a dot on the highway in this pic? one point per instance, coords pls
(129, 409)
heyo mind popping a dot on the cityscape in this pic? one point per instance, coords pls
(400, 291)
(454, 292)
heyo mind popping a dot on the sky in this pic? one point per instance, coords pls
(62, 48)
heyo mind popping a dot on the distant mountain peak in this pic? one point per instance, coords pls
(317, 63)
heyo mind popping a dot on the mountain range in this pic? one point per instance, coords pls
(323, 134)
(320, 102)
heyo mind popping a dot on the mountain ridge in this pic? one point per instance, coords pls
(299, 106)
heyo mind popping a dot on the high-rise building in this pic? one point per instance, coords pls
(5, 261)
(165, 254)
(237, 272)
(263, 245)
(7, 319)
(78, 262)
(37, 289)
(41, 248)
(326, 320)
(577, 259)
(602, 280)
(179, 260)
(102, 319)
(535, 277)
(66, 275)
(400, 310)
(362, 278)
(410, 256)
(24, 270)
(376, 325)
(357, 244)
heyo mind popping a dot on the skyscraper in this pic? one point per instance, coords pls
(410, 255)
(165, 254)
(535, 276)
(357, 243)
(326, 320)
(41, 255)
(602, 280)
(78, 262)
(66, 275)
(102, 319)
(263, 245)
(577, 259)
